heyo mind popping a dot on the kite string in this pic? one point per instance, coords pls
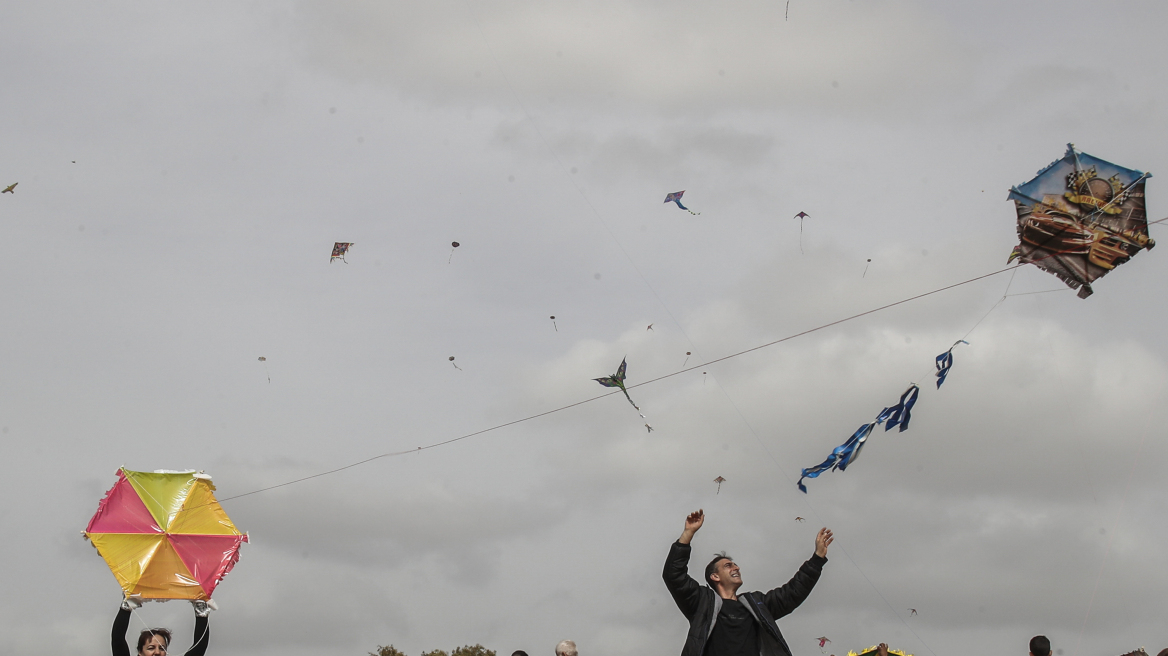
(647, 382)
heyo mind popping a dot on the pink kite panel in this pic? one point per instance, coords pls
(122, 511)
(208, 557)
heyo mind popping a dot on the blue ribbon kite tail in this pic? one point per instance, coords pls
(900, 413)
(846, 453)
(945, 361)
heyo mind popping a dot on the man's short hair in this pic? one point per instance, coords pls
(519, 653)
(1040, 646)
(566, 648)
(713, 567)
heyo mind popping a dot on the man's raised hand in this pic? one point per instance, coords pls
(822, 541)
(692, 523)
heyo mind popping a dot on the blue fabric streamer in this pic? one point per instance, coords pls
(899, 414)
(945, 361)
(846, 453)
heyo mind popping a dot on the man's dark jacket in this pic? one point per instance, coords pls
(700, 604)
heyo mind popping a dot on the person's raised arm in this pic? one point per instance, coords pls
(202, 631)
(692, 523)
(118, 644)
(686, 591)
(781, 601)
(823, 541)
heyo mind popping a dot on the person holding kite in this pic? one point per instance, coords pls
(725, 622)
(155, 642)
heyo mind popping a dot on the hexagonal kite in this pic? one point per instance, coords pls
(164, 536)
(1081, 217)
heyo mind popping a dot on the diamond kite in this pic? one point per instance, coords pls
(164, 536)
(1081, 217)
(719, 481)
(339, 250)
(675, 197)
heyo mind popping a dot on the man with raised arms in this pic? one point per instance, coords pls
(725, 622)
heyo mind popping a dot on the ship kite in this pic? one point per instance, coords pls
(675, 197)
(1081, 217)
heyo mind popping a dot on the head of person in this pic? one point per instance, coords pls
(519, 653)
(1039, 646)
(153, 642)
(723, 575)
(566, 648)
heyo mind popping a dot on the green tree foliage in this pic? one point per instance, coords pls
(386, 651)
(477, 650)
(436, 652)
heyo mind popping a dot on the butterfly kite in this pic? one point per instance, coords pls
(1081, 217)
(675, 197)
(339, 250)
(618, 380)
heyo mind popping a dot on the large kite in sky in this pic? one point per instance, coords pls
(164, 536)
(1081, 217)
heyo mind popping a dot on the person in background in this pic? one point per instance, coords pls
(1039, 646)
(565, 648)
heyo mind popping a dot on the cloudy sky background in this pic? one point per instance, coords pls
(221, 148)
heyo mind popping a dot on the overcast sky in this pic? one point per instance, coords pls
(184, 169)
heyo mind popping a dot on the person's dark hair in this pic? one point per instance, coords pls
(1163, 652)
(1040, 646)
(519, 653)
(713, 567)
(145, 635)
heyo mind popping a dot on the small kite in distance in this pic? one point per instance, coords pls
(675, 197)
(912, 611)
(800, 519)
(822, 641)
(687, 354)
(265, 361)
(650, 428)
(453, 245)
(719, 481)
(455, 364)
(650, 327)
(618, 380)
(11, 189)
(339, 250)
(866, 268)
(801, 216)
(554, 323)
